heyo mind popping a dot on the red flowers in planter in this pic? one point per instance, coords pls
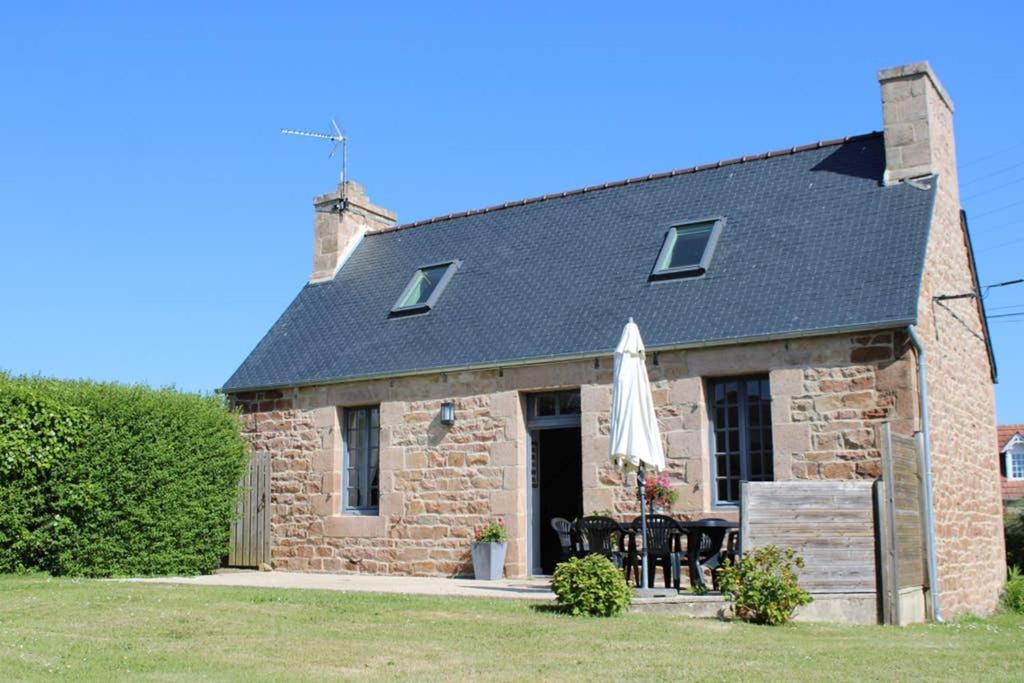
(493, 532)
(659, 491)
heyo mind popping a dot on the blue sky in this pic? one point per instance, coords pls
(155, 223)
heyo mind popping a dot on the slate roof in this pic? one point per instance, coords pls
(812, 243)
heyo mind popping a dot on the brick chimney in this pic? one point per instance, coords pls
(918, 117)
(341, 219)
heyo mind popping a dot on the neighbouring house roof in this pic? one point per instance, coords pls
(1005, 433)
(812, 243)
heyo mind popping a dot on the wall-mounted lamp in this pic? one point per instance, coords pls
(447, 413)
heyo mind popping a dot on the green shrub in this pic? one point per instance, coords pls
(1013, 591)
(591, 585)
(762, 585)
(1014, 529)
(109, 480)
(38, 436)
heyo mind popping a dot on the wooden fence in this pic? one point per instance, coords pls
(900, 515)
(250, 532)
(829, 523)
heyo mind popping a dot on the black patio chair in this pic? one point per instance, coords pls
(600, 536)
(563, 528)
(663, 550)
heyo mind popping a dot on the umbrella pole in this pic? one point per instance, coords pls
(643, 528)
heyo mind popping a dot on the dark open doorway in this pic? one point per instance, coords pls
(560, 473)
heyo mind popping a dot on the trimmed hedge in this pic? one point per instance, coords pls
(113, 480)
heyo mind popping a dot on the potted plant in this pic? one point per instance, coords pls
(489, 547)
(660, 494)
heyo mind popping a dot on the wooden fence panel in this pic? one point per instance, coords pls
(829, 523)
(901, 521)
(250, 531)
(907, 483)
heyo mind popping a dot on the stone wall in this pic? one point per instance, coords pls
(437, 483)
(918, 116)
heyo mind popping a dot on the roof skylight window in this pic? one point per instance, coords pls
(687, 249)
(423, 290)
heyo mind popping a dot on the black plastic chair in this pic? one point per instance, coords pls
(662, 550)
(600, 536)
(563, 528)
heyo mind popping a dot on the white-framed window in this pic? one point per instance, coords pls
(361, 473)
(1017, 463)
(1014, 454)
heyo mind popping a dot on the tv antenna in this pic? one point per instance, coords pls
(339, 140)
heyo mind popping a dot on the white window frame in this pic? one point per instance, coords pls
(365, 480)
(1014, 450)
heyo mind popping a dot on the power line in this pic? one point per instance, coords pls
(993, 173)
(1001, 208)
(1002, 244)
(993, 189)
(1004, 308)
(1005, 315)
(1000, 152)
(1004, 283)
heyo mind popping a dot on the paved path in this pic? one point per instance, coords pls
(512, 589)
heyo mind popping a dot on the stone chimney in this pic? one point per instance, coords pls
(917, 113)
(341, 219)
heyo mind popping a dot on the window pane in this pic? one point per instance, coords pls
(754, 415)
(423, 285)
(546, 405)
(687, 247)
(374, 478)
(754, 441)
(569, 403)
(352, 491)
(723, 490)
(734, 441)
(1017, 465)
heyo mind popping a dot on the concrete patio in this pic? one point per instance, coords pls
(537, 589)
(856, 608)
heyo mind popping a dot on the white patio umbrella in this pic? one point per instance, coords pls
(635, 439)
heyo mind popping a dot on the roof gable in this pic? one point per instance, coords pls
(1014, 440)
(812, 243)
(1006, 432)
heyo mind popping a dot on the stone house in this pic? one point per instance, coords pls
(1010, 445)
(435, 375)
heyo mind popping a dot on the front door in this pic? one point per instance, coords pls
(561, 488)
(556, 476)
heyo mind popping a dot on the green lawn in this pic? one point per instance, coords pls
(102, 630)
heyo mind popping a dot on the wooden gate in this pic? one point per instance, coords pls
(250, 532)
(901, 533)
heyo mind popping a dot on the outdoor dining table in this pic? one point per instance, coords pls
(716, 529)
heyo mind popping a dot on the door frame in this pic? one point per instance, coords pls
(535, 425)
